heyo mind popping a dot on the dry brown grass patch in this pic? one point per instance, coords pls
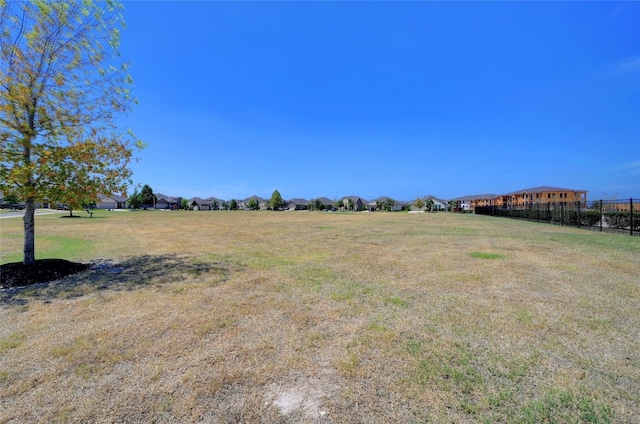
(321, 317)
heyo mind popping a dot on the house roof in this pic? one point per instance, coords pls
(476, 196)
(542, 189)
(354, 198)
(199, 201)
(168, 199)
(115, 197)
(213, 199)
(297, 201)
(258, 198)
(435, 199)
(325, 201)
(383, 199)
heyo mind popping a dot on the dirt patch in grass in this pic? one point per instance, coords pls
(17, 274)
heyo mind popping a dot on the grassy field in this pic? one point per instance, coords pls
(322, 317)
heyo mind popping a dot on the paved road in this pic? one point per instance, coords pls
(20, 214)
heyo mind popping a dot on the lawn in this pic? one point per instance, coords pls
(322, 317)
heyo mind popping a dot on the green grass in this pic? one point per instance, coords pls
(11, 341)
(564, 406)
(396, 301)
(50, 244)
(486, 255)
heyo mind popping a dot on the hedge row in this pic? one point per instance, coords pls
(622, 220)
(614, 220)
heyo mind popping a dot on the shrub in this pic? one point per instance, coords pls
(582, 218)
(622, 220)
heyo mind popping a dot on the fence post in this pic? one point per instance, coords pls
(601, 216)
(631, 216)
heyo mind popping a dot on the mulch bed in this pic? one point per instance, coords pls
(17, 274)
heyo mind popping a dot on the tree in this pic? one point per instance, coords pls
(146, 196)
(11, 199)
(214, 205)
(233, 205)
(388, 204)
(134, 200)
(253, 204)
(428, 205)
(276, 200)
(418, 203)
(184, 204)
(74, 197)
(316, 205)
(60, 92)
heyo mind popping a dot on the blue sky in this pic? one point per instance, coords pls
(401, 99)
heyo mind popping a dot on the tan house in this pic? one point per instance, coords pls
(544, 194)
(470, 202)
(296, 204)
(354, 203)
(263, 204)
(112, 201)
(199, 204)
(623, 207)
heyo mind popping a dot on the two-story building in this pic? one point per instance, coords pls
(470, 202)
(544, 194)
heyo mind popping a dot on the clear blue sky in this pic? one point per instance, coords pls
(401, 99)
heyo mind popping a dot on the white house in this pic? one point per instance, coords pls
(112, 201)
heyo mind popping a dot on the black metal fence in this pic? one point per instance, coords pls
(618, 216)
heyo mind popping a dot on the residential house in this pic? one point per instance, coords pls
(327, 203)
(623, 206)
(544, 194)
(199, 204)
(354, 203)
(437, 204)
(379, 204)
(297, 204)
(111, 201)
(215, 203)
(263, 204)
(167, 202)
(470, 202)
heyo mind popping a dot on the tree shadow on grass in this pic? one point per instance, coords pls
(127, 275)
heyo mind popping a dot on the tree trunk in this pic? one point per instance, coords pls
(29, 232)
